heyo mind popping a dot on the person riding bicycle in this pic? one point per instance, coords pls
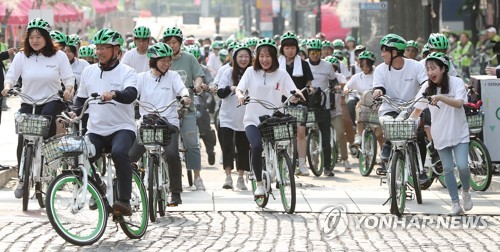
(397, 77)
(43, 67)
(157, 88)
(137, 58)
(411, 50)
(265, 81)
(300, 72)
(59, 39)
(326, 49)
(87, 53)
(111, 127)
(449, 128)
(77, 64)
(192, 74)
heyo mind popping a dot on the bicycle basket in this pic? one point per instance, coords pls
(62, 146)
(155, 134)
(399, 130)
(368, 115)
(280, 131)
(311, 116)
(299, 112)
(35, 125)
(475, 122)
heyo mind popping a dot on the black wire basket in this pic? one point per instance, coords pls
(299, 112)
(155, 134)
(280, 131)
(475, 122)
(368, 115)
(62, 146)
(33, 125)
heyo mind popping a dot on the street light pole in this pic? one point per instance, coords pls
(318, 17)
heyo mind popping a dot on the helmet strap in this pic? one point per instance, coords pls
(112, 63)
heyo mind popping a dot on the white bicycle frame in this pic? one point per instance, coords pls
(271, 158)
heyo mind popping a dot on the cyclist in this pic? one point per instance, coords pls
(87, 53)
(301, 74)
(425, 51)
(266, 81)
(214, 60)
(439, 43)
(158, 88)
(399, 78)
(449, 125)
(228, 65)
(42, 67)
(137, 57)
(111, 126)
(411, 50)
(323, 72)
(59, 39)
(355, 68)
(351, 46)
(252, 43)
(231, 130)
(326, 49)
(190, 71)
(342, 63)
(77, 64)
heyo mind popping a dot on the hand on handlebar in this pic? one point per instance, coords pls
(5, 91)
(186, 101)
(68, 94)
(377, 93)
(107, 96)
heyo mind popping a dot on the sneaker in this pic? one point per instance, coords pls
(329, 173)
(211, 158)
(386, 152)
(122, 208)
(260, 191)
(467, 200)
(357, 140)
(422, 177)
(18, 193)
(240, 184)
(175, 199)
(229, 183)
(198, 183)
(456, 209)
(347, 165)
(303, 171)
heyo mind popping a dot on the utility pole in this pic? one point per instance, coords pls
(318, 16)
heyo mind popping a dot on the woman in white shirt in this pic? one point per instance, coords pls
(449, 128)
(231, 130)
(265, 81)
(77, 65)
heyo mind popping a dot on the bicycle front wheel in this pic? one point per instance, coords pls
(287, 183)
(163, 189)
(414, 179)
(70, 212)
(135, 226)
(398, 188)
(28, 162)
(480, 165)
(315, 152)
(153, 186)
(368, 154)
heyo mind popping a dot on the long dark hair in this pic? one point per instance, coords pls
(48, 51)
(445, 81)
(237, 70)
(274, 55)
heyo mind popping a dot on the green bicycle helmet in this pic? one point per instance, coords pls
(159, 50)
(194, 50)
(239, 48)
(131, 45)
(73, 40)
(86, 51)
(253, 41)
(218, 44)
(441, 57)
(39, 23)
(223, 55)
(412, 43)
(425, 49)
(393, 41)
(303, 43)
(107, 36)
(233, 45)
(314, 44)
(338, 54)
(327, 43)
(367, 55)
(288, 35)
(349, 39)
(141, 32)
(438, 41)
(173, 32)
(228, 42)
(58, 36)
(338, 43)
(266, 42)
(332, 60)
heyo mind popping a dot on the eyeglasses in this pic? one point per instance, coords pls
(315, 53)
(413, 50)
(102, 48)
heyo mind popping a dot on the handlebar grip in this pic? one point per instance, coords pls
(94, 95)
(178, 97)
(60, 93)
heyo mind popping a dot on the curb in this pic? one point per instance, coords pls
(6, 175)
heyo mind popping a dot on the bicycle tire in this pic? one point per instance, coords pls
(414, 178)
(398, 189)
(288, 199)
(60, 189)
(367, 161)
(314, 152)
(479, 165)
(163, 190)
(139, 203)
(334, 147)
(28, 159)
(260, 201)
(41, 186)
(152, 187)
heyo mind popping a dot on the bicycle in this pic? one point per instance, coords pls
(33, 128)
(277, 168)
(367, 152)
(154, 136)
(79, 202)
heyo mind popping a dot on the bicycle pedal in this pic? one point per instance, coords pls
(381, 172)
(410, 196)
(383, 181)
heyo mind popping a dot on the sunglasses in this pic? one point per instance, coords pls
(315, 53)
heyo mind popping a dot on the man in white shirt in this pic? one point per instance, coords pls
(136, 58)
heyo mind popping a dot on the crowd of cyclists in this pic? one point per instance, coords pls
(123, 69)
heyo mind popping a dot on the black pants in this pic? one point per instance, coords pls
(171, 156)
(323, 118)
(230, 138)
(119, 143)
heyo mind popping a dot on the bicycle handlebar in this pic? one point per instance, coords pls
(155, 110)
(16, 92)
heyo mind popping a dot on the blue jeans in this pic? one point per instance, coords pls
(255, 138)
(189, 131)
(460, 152)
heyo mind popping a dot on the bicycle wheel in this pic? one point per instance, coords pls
(28, 159)
(442, 179)
(480, 165)
(315, 152)
(69, 212)
(153, 186)
(41, 186)
(414, 174)
(135, 226)
(260, 201)
(287, 184)
(335, 148)
(368, 156)
(163, 189)
(398, 188)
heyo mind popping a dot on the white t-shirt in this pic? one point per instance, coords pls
(222, 69)
(159, 94)
(230, 115)
(449, 124)
(338, 105)
(106, 119)
(41, 75)
(139, 62)
(214, 62)
(344, 70)
(269, 87)
(361, 82)
(78, 66)
(323, 73)
(401, 84)
(451, 72)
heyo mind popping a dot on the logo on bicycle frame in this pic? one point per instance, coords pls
(333, 221)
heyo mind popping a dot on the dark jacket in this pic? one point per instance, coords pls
(3, 56)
